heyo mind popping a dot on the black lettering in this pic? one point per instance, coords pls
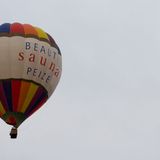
(34, 72)
(43, 50)
(42, 78)
(39, 74)
(28, 45)
(48, 78)
(36, 47)
(29, 69)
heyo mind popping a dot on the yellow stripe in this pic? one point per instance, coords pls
(2, 111)
(31, 92)
(41, 33)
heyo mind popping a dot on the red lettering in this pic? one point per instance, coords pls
(21, 56)
(57, 72)
(52, 66)
(43, 61)
(32, 57)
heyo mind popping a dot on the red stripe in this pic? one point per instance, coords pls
(17, 28)
(1, 114)
(16, 85)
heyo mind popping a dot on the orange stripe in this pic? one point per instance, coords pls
(31, 92)
(23, 93)
(29, 29)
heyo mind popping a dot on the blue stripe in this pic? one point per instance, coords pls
(8, 93)
(5, 28)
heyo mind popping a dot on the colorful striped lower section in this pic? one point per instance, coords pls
(19, 99)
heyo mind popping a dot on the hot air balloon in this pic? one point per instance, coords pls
(30, 69)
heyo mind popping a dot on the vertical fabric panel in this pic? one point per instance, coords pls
(8, 93)
(3, 97)
(35, 99)
(36, 107)
(17, 28)
(5, 28)
(30, 30)
(31, 92)
(16, 84)
(2, 110)
(23, 93)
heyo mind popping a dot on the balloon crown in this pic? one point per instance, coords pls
(27, 30)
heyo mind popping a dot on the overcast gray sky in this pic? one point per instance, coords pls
(107, 104)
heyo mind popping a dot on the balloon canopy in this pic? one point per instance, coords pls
(31, 66)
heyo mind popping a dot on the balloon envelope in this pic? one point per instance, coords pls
(31, 66)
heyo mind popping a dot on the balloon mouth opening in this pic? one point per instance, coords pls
(14, 118)
(11, 120)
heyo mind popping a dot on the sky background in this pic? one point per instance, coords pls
(107, 104)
